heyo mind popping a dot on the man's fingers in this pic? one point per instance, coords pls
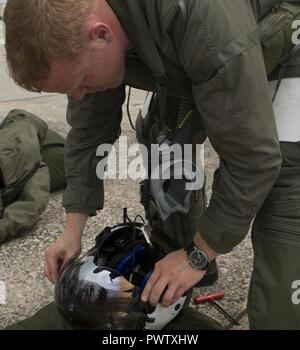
(169, 296)
(151, 282)
(70, 257)
(155, 287)
(46, 270)
(46, 267)
(157, 291)
(179, 293)
(52, 263)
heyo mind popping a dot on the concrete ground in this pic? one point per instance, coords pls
(21, 260)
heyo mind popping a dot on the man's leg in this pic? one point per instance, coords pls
(274, 296)
(275, 286)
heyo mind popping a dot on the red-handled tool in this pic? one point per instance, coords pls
(207, 298)
(211, 298)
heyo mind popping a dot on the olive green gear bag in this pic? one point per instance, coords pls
(276, 33)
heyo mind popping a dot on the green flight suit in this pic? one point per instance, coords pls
(223, 70)
(32, 165)
(209, 50)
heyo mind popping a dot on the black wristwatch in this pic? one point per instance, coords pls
(197, 258)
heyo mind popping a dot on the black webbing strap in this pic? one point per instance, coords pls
(284, 63)
(1, 207)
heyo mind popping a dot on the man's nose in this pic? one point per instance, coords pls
(79, 93)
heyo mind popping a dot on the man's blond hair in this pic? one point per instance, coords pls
(41, 30)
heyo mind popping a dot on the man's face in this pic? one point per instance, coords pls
(100, 68)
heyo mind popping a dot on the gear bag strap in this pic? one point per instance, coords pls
(283, 66)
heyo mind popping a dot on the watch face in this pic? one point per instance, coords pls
(198, 259)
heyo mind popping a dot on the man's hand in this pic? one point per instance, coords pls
(172, 277)
(64, 247)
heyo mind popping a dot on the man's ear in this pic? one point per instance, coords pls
(100, 31)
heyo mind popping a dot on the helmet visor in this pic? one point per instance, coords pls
(94, 295)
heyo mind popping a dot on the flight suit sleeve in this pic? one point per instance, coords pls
(94, 121)
(236, 109)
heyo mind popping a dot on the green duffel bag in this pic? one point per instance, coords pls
(49, 318)
(53, 155)
(31, 164)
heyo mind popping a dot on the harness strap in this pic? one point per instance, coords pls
(1, 207)
(284, 63)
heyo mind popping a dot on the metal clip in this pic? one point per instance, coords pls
(146, 230)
